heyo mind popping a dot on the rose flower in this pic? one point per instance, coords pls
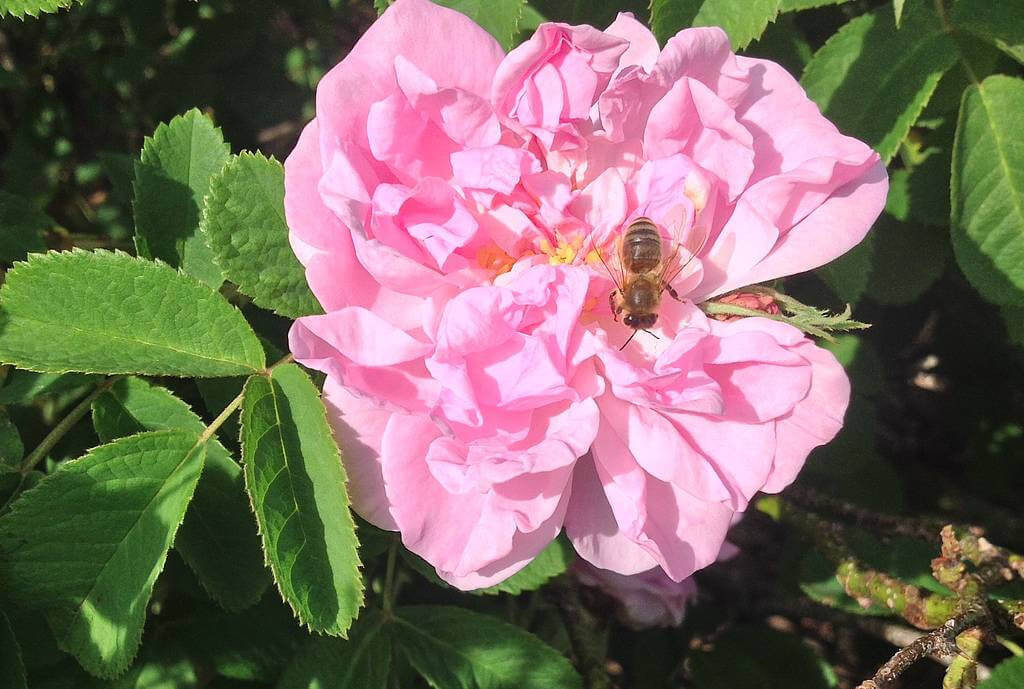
(458, 213)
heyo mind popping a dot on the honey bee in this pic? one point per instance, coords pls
(644, 274)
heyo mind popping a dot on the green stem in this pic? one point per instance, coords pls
(65, 425)
(924, 611)
(232, 407)
(717, 308)
(389, 579)
(234, 404)
(962, 673)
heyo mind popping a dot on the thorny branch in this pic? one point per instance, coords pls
(939, 641)
(968, 564)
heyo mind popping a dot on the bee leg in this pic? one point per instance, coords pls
(672, 292)
(614, 305)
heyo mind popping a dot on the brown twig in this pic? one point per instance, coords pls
(940, 641)
(968, 564)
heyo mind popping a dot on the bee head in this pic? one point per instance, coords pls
(640, 321)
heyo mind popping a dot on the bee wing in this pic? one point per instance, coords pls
(684, 251)
(621, 280)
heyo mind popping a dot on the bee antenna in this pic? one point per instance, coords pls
(649, 333)
(627, 341)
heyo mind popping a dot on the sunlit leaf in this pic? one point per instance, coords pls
(218, 538)
(171, 179)
(743, 20)
(103, 312)
(988, 189)
(297, 484)
(243, 221)
(85, 545)
(873, 80)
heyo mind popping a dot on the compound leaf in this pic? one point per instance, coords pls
(218, 539)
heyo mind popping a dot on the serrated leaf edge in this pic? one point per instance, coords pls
(116, 669)
(259, 525)
(107, 254)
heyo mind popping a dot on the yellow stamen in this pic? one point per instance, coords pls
(565, 252)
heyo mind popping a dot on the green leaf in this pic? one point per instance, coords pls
(549, 563)
(1013, 317)
(817, 578)
(12, 669)
(908, 259)
(454, 648)
(132, 405)
(921, 193)
(21, 8)
(243, 221)
(86, 544)
(897, 9)
(22, 387)
(363, 661)
(297, 484)
(218, 539)
(253, 645)
(758, 657)
(1008, 674)
(797, 5)
(11, 482)
(873, 80)
(988, 189)
(500, 18)
(11, 447)
(20, 227)
(1001, 23)
(103, 312)
(171, 179)
(743, 20)
(783, 42)
(163, 666)
(848, 275)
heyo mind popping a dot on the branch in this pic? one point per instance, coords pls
(885, 524)
(65, 425)
(939, 641)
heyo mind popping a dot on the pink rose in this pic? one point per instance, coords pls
(454, 208)
(644, 600)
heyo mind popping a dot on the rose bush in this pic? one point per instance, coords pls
(454, 208)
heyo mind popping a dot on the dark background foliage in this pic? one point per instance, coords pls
(936, 426)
